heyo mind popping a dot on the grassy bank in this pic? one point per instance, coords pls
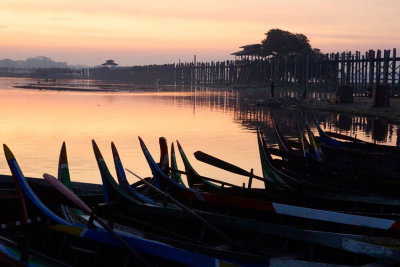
(362, 106)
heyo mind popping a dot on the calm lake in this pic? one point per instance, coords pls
(34, 123)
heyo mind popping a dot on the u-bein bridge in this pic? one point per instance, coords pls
(361, 73)
(347, 73)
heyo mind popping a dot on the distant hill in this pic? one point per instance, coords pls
(36, 62)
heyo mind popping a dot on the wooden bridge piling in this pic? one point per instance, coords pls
(361, 72)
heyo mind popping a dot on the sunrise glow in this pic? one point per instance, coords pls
(159, 31)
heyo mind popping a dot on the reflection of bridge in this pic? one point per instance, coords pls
(226, 101)
(250, 116)
(371, 129)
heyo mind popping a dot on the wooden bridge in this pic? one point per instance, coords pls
(358, 74)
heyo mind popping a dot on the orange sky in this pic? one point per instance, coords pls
(161, 31)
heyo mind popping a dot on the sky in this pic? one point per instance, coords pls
(137, 32)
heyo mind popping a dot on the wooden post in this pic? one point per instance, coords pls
(382, 91)
(363, 80)
(378, 67)
(175, 77)
(251, 178)
(342, 72)
(285, 76)
(208, 67)
(398, 81)
(386, 55)
(371, 58)
(336, 73)
(360, 77)
(357, 70)
(295, 69)
(348, 69)
(366, 72)
(393, 69)
(353, 65)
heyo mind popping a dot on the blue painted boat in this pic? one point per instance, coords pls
(175, 175)
(192, 176)
(12, 255)
(122, 180)
(143, 245)
(150, 247)
(248, 204)
(352, 244)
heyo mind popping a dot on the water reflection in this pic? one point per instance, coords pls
(344, 122)
(245, 111)
(34, 124)
(219, 122)
(364, 128)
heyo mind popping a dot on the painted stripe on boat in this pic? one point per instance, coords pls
(124, 184)
(156, 248)
(17, 173)
(122, 180)
(9, 156)
(64, 165)
(99, 159)
(31, 195)
(159, 174)
(268, 174)
(142, 245)
(337, 217)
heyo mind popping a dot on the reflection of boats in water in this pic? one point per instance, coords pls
(242, 105)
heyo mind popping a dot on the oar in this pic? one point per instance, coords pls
(204, 178)
(79, 203)
(219, 163)
(190, 212)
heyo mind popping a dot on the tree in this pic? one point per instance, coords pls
(282, 43)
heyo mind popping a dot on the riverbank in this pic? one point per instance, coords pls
(362, 106)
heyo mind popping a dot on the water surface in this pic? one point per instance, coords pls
(34, 123)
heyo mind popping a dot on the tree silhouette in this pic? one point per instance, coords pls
(282, 43)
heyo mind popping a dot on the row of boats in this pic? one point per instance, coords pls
(325, 202)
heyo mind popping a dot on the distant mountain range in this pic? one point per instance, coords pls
(36, 62)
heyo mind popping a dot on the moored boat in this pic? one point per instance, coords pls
(349, 246)
(246, 206)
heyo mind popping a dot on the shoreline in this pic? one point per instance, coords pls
(362, 106)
